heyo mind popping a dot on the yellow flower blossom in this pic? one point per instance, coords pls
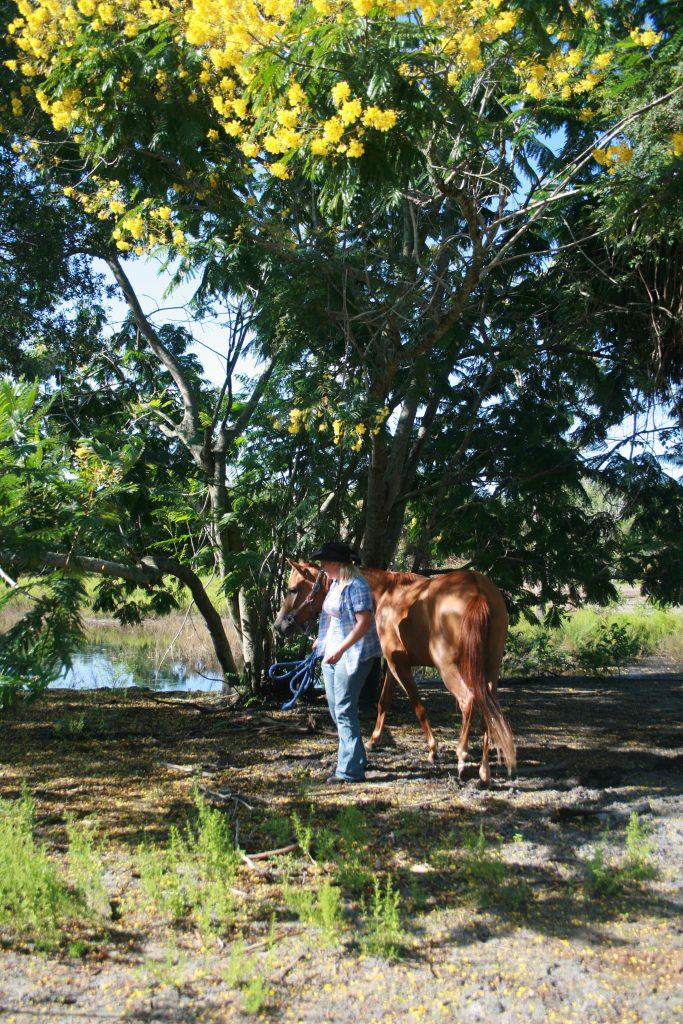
(135, 226)
(287, 118)
(340, 92)
(333, 129)
(319, 146)
(279, 170)
(295, 94)
(677, 143)
(350, 111)
(645, 37)
(383, 120)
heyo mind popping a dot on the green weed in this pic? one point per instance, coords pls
(637, 863)
(303, 832)
(255, 994)
(606, 877)
(168, 971)
(602, 879)
(352, 874)
(84, 859)
(194, 874)
(239, 967)
(77, 949)
(383, 934)
(35, 898)
(486, 873)
(278, 828)
(320, 908)
(241, 973)
(70, 725)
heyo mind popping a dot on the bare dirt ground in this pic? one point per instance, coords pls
(537, 947)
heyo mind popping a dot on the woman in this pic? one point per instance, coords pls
(347, 642)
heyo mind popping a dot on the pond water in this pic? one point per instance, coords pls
(99, 665)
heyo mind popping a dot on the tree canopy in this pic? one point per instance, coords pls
(447, 236)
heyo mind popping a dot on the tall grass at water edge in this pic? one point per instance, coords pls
(595, 640)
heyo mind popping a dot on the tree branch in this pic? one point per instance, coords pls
(188, 429)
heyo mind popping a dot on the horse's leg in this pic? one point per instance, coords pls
(467, 709)
(484, 770)
(455, 684)
(405, 677)
(385, 699)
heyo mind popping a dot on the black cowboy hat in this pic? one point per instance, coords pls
(335, 551)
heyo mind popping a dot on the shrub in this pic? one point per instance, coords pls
(607, 646)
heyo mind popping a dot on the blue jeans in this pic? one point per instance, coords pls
(342, 691)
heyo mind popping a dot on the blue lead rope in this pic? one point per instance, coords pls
(299, 674)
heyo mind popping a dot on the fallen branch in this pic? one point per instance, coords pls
(269, 939)
(224, 797)
(189, 769)
(206, 709)
(273, 853)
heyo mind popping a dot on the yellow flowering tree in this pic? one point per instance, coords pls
(377, 173)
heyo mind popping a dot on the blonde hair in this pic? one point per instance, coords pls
(348, 572)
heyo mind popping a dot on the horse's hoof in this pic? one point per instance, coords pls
(433, 757)
(484, 779)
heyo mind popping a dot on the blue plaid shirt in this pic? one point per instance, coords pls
(355, 597)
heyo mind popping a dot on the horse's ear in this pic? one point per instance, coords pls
(301, 569)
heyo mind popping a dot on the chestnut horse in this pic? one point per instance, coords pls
(455, 622)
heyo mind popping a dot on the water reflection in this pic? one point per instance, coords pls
(104, 665)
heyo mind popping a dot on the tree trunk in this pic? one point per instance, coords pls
(252, 648)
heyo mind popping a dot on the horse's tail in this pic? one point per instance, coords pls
(472, 664)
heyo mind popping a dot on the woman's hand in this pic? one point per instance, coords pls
(334, 657)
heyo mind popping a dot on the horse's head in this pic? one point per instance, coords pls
(305, 581)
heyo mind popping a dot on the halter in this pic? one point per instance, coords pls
(290, 617)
